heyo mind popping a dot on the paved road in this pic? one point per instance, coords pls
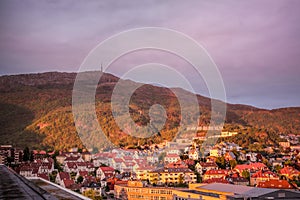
(12, 187)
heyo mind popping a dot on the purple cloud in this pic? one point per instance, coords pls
(255, 44)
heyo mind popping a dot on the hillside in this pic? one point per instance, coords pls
(36, 111)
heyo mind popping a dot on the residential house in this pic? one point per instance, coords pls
(105, 172)
(276, 184)
(220, 173)
(289, 172)
(202, 167)
(172, 176)
(71, 167)
(73, 159)
(86, 156)
(70, 184)
(152, 159)
(83, 174)
(173, 151)
(277, 162)
(128, 166)
(261, 176)
(94, 186)
(215, 152)
(251, 156)
(61, 176)
(193, 154)
(236, 179)
(171, 158)
(143, 173)
(216, 180)
(251, 167)
(26, 171)
(117, 163)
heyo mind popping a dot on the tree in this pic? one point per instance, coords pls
(26, 154)
(161, 156)
(232, 163)
(57, 165)
(31, 157)
(92, 194)
(288, 162)
(246, 174)
(181, 179)
(221, 162)
(277, 168)
(79, 179)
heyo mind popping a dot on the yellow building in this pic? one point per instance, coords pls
(215, 152)
(143, 173)
(135, 190)
(172, 175)
(198, 191)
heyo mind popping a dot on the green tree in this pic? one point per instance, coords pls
(232, 163)
(162, 156)
(31, 157)
(26, 154)
(246, 174)
(181, 179)
(92, 194)
(79, 179)
(288, 162)
(221, 162)
(277, 168)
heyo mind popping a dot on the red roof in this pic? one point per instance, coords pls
(72, 165)
(277, 184)
(254, 166)
(104, 169)
(189, 162)
(128, 163)
(177, 164)
(216, 180)
(118, 160)
(208, 164)
(127, 158)
(289, 171)
(220, 171)
(83, 173)
(64, 175)
(44, 176)
(172, 156)
(68, 183)
(26, 168)
(264, 174)
(72, 158)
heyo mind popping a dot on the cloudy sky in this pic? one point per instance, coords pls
(255, 44)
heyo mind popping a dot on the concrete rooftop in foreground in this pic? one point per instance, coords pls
(14, 186)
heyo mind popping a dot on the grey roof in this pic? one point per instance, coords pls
(13, 186)
(239, 190)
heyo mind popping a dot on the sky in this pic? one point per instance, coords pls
(255, 44)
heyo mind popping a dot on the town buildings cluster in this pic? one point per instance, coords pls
(171, 170)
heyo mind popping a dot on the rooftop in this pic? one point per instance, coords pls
(13, 186)
(237, 189)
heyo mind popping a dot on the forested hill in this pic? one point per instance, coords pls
(36, 112)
